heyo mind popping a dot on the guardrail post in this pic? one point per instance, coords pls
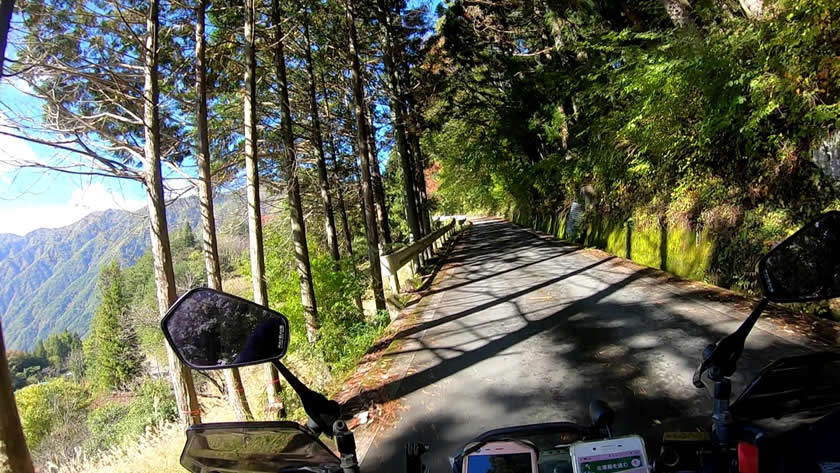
(418, 259)
(395, 283)
(387, 272)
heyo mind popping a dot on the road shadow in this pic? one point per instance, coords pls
(625, 342)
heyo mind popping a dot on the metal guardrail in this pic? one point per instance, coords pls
(410, 255)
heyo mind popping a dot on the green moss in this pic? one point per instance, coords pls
(669, 247)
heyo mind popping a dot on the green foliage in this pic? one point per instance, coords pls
(345, 333)
(343, 343)
(57, 348)
(184, 237)
(704, 131)
(114, 423)
(113, 348)
(337, 285)
(25, 368)
(59, 353)
(47, 406)
(140, 291)
(395, 199)
(673, 248)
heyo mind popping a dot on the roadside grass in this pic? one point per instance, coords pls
(159, 450)
(348, 336)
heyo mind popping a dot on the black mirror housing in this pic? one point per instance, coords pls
(209, 329)
(806, 266)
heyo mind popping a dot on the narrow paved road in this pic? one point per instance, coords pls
(523, 329)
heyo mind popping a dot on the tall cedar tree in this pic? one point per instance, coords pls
(16, 453)
(233, 380)
(96, 69)
(318, 141)
(338, 174)
(112, 348)
(376, 180)
(185, 396)
(364, 158)
(304, 268)
(255, 233)
(386, 10)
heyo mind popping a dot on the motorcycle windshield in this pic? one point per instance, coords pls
(254, 447)
(805, 384)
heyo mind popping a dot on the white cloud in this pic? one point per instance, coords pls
(178, 187)
(83, 201)
(12, 151)
(96, 196)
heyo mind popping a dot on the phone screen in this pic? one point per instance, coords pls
(502, 463)
(630, 461)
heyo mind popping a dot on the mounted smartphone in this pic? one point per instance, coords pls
(501, 457)
(618, 455)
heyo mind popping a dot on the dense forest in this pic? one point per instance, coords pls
(297, 105)
(698, 133)
(693, 133)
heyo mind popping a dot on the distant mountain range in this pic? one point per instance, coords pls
(48, 277)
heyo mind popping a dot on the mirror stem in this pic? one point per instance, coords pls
(746, 327)
(724, 356)
(320, 409)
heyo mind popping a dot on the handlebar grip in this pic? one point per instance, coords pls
(414, 457)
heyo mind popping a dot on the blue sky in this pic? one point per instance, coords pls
(36, 198)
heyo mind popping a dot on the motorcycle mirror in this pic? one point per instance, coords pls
(209, 330)
(806, 266)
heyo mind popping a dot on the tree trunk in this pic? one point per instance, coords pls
(255, 238)
(182, 381)
(338, 175)
(13, 451)
(233, 380)
(398, 120)
(364, 158)
(412, 136)
(419, 162)
(323, 179)
(342, 209)
(376, 182)
(679, 12)
(337, 172)
(754, 9)
(307, 289)
(420, 177)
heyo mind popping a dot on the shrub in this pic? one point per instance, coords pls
(47, 406)
(113, 424)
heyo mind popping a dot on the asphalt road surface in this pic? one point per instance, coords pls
(523, 329)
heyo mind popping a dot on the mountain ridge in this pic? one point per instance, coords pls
(50, 275)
